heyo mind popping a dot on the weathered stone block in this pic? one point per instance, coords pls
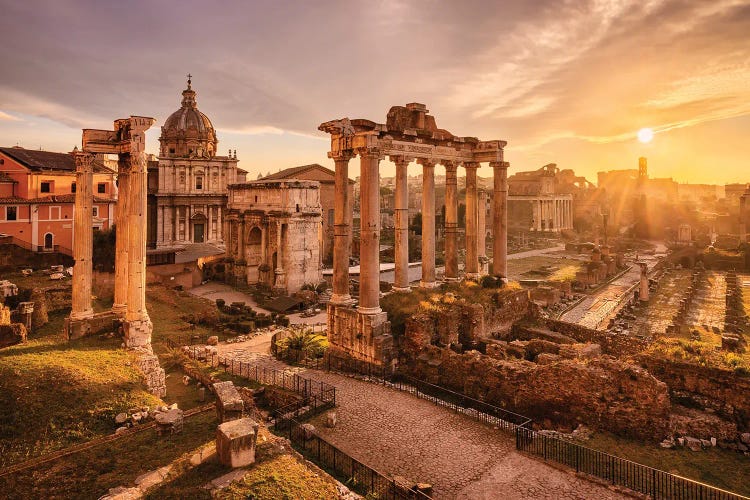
(229, 403)
(235, 442)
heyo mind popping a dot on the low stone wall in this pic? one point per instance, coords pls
(602, 392)
(14, 257)
(722, 391)
(510, 308)
(612, 343)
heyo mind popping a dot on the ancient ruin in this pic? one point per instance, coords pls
(409, 134)
(127, 140)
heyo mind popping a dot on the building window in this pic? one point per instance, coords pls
(73, 187)
(45, 187)
(95, 211)
(101, 187)
(11, 213)
(54, 213)
(199, 182)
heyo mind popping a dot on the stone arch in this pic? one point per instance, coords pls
(49, 241)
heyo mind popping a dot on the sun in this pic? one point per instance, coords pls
(645, 135)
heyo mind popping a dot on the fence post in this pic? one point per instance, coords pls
(544, 446)
(578, 449)
(653, 483)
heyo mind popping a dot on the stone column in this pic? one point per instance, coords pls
(428, 224)
(121, 236)
(500, 218)
(643, 288)
(241, 238)
(341, 231)
(83, 243)
(138, 325)
(472, 259)
(482, 225)
(451, 221)
(369, 244)
(401, 209)
(279, 271)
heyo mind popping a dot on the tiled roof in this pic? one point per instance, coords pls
(290, 173)
(37, 161)
(64, 198)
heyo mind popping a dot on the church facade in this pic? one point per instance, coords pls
(188, 183)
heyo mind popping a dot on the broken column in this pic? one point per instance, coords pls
(643, 289)
(229, 403)
(235, 442)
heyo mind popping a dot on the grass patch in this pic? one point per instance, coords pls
(91, 473)
(55, 393)
(724, 469)
(281, 478)
(699, 353)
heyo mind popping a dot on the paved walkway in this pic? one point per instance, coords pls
(400, 434)
(214, 290)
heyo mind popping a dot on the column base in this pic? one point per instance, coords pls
(104, 322)
(428, 284)
(401, 289)
(138, 332)
(119, 309)
(369, 310)
(153, 373)
(341, 300)
(452, 280)
(78, 316)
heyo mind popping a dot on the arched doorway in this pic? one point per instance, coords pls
(198, 221)
(49, 241)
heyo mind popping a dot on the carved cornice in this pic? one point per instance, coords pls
(84, 162)
(401, 159)
(344, 155)
(369, 152)
(470, 165)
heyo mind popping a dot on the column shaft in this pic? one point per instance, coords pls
(472, 259)
(369, 244)
(500, 218)
(136, 306)
(428, 224)
(121, 236)
(341, 232)
(401, 210)
(83, 243)
(451, 222)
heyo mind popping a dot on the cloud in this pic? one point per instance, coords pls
(8, 117)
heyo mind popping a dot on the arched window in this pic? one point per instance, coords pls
(49, 240)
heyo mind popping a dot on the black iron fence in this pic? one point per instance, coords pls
(306, 387)
(353, 473)
(618, 471)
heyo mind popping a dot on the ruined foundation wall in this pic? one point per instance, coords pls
(358, 336)
(723, 391)
(603, 393)
(612, 343)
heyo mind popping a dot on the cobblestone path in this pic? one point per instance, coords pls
(400, 434)
(709, 304)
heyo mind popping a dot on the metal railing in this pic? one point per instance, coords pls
(353, 473)
(618, 471)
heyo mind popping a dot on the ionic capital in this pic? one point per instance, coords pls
(427, 162)
(450, 166)
(500, 164)
(370, 152)
(400, 160)
(84, 162)
(341, 156)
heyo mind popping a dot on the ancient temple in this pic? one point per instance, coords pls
(188, 198)
(409, 135)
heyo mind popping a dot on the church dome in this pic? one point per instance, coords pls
(188, 133)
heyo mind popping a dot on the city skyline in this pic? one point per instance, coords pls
(570, 85)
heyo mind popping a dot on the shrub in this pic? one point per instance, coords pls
(220, 303)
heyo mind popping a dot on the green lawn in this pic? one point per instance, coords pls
(55, 393)
(724, 469)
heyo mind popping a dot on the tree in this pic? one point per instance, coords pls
(416, 223)
(103, 257)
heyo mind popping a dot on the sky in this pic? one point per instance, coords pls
(565, 82)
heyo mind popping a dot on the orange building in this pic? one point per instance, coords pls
(37, 198)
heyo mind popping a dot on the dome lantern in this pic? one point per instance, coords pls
(188, 133)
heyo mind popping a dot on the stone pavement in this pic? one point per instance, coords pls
(592, 311)
(400, 434)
